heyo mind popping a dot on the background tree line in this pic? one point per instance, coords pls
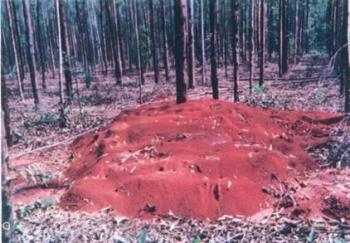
(124, 37)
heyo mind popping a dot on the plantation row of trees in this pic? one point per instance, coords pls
(58, 37)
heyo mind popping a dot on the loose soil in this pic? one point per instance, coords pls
(201, 159)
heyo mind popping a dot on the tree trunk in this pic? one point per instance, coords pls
(138, 46)
(40, 44)
(251, 45)
(120, 40)
(30, 49)
(102, 37)
(203, 43)
(6, 114)
(306, 27)
(235, 9)
(6, 208)
(61, 40)
(213, 71)
(190, 58)
(19, 48)
(65, 56)
(180, 49)
(346, 60)
(114, 42)
(297, 32)
(154, 46)
(283, 45)
(15, 47)
(164, 17)
(262, 42)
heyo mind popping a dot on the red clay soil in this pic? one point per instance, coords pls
(201, 159)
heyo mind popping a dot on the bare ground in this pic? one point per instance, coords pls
(36, 129)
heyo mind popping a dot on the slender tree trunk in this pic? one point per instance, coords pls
(213, 73)
(114, 42)
(225, 46)
(203, 43)
(180, 49)
(164, 17)
(6, 114)
(235, 9)
(306, 28)
(283, 45)
(40, 44)
(251, 45)
(297, 32)
(262, 44)
(102, 37)
(117, 44)
(19, 45)
(154, 45)
(138, 47)
(191, 58)
(61, 40)
(65, 56)
(30, 49)
(346, 61)
(15, 47)
(6, 208)
(120, 40)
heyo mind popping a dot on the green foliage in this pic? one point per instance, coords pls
(44, 120)
(87, 79)
(85, 100)
(196, 239)
(142, 237)
(32, 173)
(259, 89)
(29, 209)
(312, 236)
(260, 97)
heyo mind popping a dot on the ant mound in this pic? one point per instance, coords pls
(201, 159)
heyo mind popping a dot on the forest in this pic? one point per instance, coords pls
(175, 120)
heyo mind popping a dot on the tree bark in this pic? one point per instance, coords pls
(346, 61)
(114, 42)
(283, 45)
(138, 46)
(154, 46)
(213, 71)
(15, 47)
(62, 120)
(164, 17)
(191, 59)
(262, 44)
(203, 43)
(40, 44)
(65, 56)
(251, 45)
(235, 9)
(120, 39)
(180, 49)
(30, 49)
(297, 33)
(6, 208)
(6, 114)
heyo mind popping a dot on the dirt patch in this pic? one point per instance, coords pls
(201, 159)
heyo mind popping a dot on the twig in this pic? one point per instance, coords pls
(53, 145)
(55, 185)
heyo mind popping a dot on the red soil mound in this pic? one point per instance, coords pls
(202, 159)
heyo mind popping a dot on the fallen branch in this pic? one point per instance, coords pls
(40, 149)
(50, 185)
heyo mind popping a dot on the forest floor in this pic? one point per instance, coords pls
(41, 155)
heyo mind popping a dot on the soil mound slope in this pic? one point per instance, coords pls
(200, 159)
